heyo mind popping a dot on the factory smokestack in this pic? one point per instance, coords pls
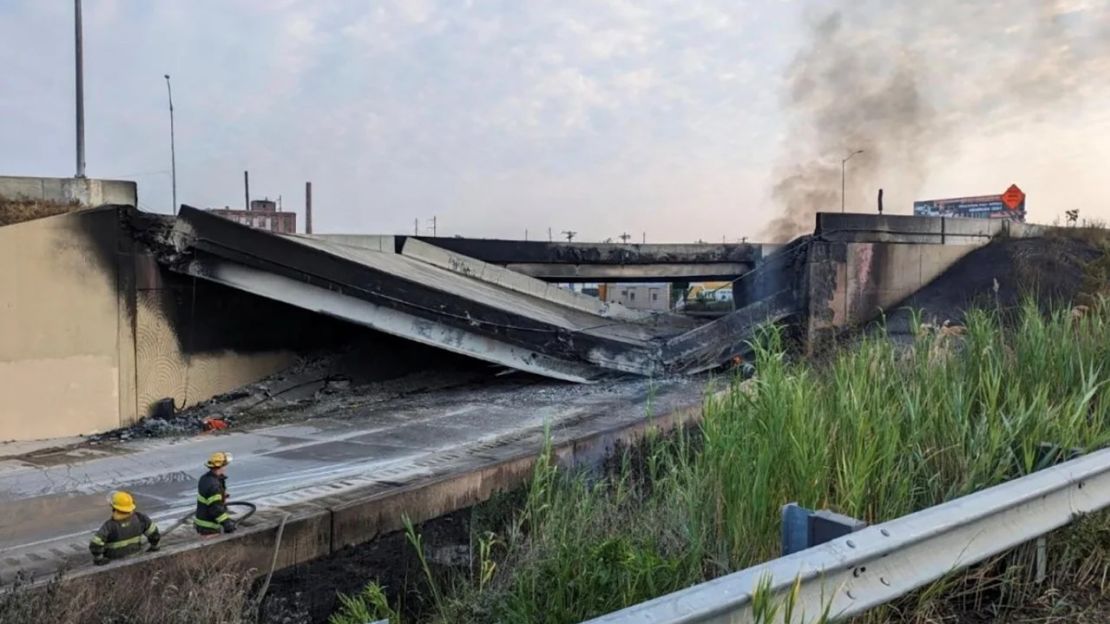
(246, 190)
(307, 207)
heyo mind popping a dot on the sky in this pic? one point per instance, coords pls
(670, 120)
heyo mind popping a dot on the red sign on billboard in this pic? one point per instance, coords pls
(1013, 197)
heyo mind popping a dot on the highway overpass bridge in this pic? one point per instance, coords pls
(595, 262)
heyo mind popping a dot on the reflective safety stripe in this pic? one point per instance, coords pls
(206, 524)
(125, 543)
(151, 530)
(215, 498)
(99, 541)
(222, 518)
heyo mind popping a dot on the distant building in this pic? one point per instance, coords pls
(263, 215)
(709, 292)
(653, 296)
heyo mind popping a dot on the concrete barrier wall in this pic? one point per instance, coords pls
(86, 192)
(847, 227)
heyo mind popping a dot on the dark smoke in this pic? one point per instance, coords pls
(906, 82)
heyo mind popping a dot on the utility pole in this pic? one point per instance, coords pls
(433, 226)
(843, 164)
(526, 234)
(569, 234)
(173, 155)
(549, 239)
(644, 238)
(624, 237)
(80, 83)
(247, 190)
(416, 227)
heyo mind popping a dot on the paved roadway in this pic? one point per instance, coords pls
(54, 500)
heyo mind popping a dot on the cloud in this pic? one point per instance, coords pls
(493, 115)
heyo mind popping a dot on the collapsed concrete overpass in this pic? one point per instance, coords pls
(106, 311)
(433, 296)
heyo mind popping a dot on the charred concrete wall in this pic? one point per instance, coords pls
(180, 350)
(859, 266)
(849, 284)
(92, 330)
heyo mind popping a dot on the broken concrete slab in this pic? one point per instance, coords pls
(415, 300)
(519, 282)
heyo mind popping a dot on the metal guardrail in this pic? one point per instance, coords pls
(854, 573)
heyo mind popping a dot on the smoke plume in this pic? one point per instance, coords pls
(906, 82)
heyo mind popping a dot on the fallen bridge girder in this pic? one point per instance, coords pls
(388, 320)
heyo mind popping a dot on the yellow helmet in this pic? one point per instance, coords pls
(219, 459)
(122, 502)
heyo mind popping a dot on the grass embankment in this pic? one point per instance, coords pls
(876, 432)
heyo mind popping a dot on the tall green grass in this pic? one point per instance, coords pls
(877, 432)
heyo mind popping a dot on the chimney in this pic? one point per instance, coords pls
(247, 190)
(307, 207)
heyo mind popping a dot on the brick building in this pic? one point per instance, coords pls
(263, 215)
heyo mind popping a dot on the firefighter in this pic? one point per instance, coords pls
(212, 517)
(122, 535)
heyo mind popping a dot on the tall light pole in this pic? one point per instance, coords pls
(80, 83)
(173, 152)
(843, 165)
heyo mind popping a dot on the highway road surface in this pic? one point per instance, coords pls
(54, 500)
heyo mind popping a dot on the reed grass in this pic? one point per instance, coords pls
(877, 431)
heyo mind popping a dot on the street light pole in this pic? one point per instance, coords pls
(173, 151)
(80, 84)
(843, 166)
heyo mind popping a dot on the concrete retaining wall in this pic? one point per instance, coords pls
(860, 265)
(88, 337)
(61, 317)
(849, 284)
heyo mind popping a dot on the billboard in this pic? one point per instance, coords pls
(1008, 205)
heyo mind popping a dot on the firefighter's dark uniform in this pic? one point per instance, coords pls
(122, 536)
(212, 516)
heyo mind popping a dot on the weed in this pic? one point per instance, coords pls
(369, 605)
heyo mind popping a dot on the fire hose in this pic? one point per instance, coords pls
(251, 508)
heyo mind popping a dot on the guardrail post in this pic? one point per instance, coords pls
(802, 528)
(795, 528)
